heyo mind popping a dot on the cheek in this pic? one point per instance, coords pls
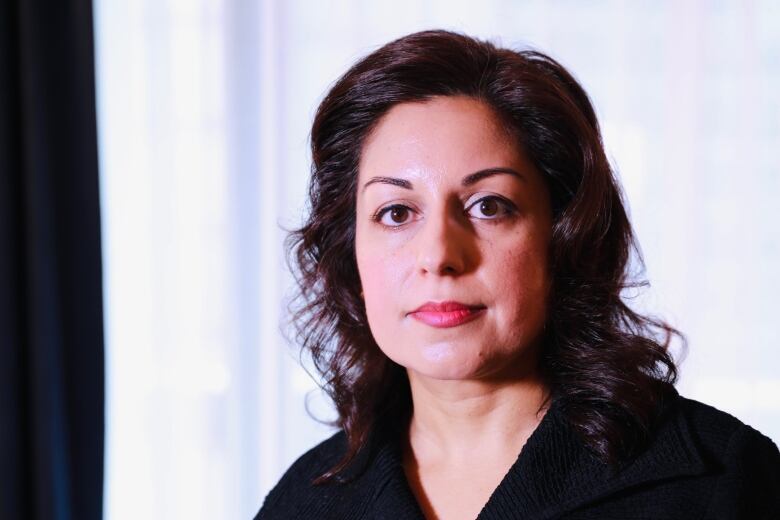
(374, 276)
(382, 263)
(383, 308)
(381, 274)
(521, 283)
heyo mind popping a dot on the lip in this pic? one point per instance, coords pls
(447, 314)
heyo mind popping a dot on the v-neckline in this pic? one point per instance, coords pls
(403, 486)
(553, 473)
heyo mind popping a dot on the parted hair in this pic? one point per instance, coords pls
(607, 364)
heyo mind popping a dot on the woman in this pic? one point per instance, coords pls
(462, 270)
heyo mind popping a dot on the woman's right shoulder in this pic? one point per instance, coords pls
(294, 494)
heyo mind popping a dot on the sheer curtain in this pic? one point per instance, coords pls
(204, 111)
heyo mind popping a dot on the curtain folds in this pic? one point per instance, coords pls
(51, 324)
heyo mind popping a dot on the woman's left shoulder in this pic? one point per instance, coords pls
(744, 461)
(723, 436)
(699, 462)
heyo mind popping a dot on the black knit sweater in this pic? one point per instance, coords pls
(701, 464)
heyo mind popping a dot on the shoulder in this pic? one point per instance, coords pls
(294, 493)
(699, 462)
(721, 434)
(744, 462)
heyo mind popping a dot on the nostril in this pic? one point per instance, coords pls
(449, 269)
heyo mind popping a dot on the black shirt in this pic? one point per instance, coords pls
(701, 464)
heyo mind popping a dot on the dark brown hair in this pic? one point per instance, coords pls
(608, 365)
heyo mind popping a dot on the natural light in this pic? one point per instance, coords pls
(204, 113)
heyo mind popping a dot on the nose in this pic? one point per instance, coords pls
(442, 244)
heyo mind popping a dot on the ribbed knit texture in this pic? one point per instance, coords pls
(701, 463)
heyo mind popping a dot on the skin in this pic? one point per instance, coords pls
(476, 392)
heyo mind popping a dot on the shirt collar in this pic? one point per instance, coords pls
(554, 473)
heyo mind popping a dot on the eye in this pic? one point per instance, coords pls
(393, 216)
(492, 208)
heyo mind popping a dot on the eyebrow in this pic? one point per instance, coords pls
(467, 181)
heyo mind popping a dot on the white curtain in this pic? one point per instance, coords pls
(204, 113)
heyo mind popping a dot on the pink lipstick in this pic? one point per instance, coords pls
(446, 314)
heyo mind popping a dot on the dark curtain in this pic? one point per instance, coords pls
(51, 329)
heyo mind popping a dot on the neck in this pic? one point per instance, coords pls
(452, 420)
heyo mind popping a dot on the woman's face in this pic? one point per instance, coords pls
(449, 209)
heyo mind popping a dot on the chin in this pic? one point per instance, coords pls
(446, 361)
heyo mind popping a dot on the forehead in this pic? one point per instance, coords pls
(442, 136)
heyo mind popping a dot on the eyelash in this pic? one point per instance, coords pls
(508, 208)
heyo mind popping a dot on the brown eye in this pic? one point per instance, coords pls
(491, 208)
(398, 214)
(488, 207)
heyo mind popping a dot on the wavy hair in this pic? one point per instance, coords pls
(607, 364)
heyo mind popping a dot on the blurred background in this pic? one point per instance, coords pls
(204, 109)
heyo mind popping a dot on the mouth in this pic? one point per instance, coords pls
(447, 314)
